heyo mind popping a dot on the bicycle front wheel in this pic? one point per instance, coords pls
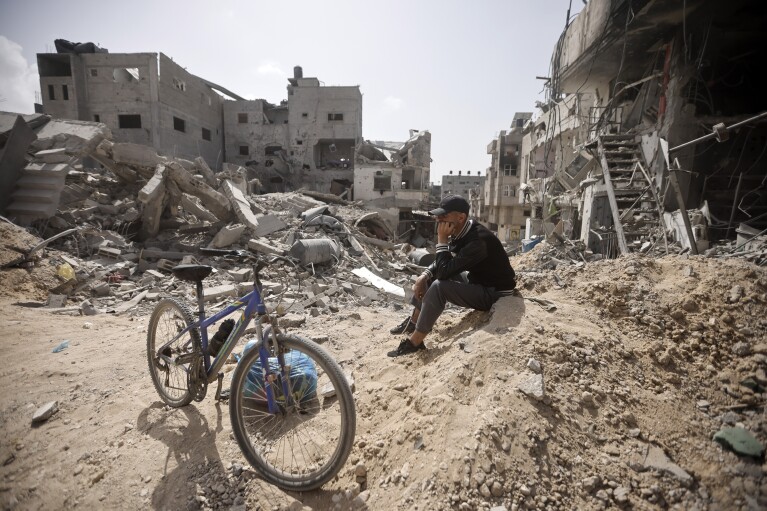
(303, 445)
(171, 381)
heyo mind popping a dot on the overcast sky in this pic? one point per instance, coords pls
(459, 69)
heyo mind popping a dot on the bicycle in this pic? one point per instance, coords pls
(290, 405)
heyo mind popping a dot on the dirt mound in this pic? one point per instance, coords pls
(641, 362)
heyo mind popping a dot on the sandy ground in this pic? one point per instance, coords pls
(639, 353)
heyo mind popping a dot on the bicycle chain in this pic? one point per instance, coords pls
(196, 380)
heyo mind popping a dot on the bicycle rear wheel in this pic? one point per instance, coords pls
(168, 319)
(302, 447)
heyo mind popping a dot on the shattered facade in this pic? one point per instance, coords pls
(307, 140)
(393, 177)
(629, 79)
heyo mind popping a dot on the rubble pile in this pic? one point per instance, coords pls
(133, 220)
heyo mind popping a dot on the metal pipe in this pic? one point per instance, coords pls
(713, 134)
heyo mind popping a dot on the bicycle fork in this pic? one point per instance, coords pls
(269, 376)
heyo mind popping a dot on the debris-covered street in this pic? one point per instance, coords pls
(623, 364)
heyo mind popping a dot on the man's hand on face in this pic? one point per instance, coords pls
(444, 230)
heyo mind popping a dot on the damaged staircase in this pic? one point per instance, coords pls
(38, 192)
(632, 194)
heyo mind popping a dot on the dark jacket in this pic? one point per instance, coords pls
(479, 252)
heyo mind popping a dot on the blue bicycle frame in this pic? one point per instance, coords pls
(254, 305)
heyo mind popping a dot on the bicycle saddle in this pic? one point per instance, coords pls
(192, 272)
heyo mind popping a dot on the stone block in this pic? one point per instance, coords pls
(240, 274)
(268, 224)
(228, 235)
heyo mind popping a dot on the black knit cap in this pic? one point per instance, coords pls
(451, 203)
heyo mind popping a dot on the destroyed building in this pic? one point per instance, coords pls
(143, 98)
(652, 127)
(307, 140)
(392, 178)
(503, 211)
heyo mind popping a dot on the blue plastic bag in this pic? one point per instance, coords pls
(303, 377)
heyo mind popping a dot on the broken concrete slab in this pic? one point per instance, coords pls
(386, 286)
(206, 172)
(57, 155)
(652, 457)
(267, 247)
(192, 205)
(228, 235)
(240, 204)
(136, 154)
(240, 274)
(269, 224)
(218, 292)
(216, 202)
(81, 137)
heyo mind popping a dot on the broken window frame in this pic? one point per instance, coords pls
(132, 73)
(128, 121)
(179, 84)
(382, 181)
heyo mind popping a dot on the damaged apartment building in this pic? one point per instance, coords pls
(307, 140)
(498, 204)
(653, 129)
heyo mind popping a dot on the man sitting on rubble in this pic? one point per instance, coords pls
(463, 245)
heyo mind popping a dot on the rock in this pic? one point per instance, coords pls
(587, 398)
(736, 292)
(730, 418)
(45, 412)
(360, 470)
(654, 458)
(532, 386)
(621, 494)
(690, 304)
(534, 366)
(741, 441)
(590, 483)
(485, 491)
(741, 349)
(496, 489)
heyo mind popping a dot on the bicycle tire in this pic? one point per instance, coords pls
(174, 316)
(325, 424)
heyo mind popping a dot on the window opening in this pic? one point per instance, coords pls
(94, 72)
(179, 124)
(96, 118)
(242, 118)
(206, 134)
(335, 117)
(125, 74)
(51, 92)
(132, 121)
(244, 150)
(179, 84)
(65, 92)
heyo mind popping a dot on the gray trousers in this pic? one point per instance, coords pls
(471, 296)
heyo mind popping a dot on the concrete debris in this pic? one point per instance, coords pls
(45, 412)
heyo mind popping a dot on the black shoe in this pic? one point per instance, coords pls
(405, 348)
(406, 327)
